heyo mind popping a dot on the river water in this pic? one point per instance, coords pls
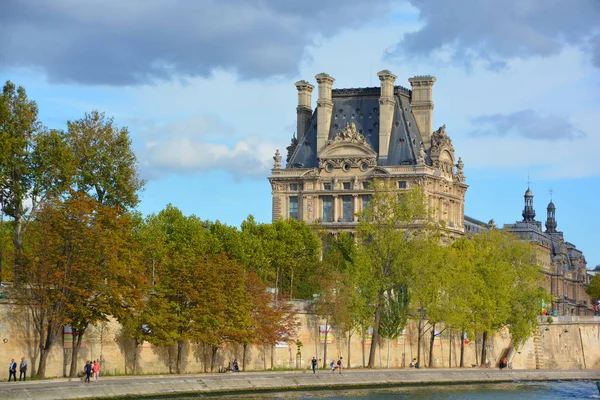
(500, 391)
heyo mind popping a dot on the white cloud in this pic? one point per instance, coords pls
(192, 146)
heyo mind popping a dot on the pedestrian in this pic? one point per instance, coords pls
(413, 362)
(88, 371)
(314, 365)
(332, 365)
(23, 369)
(12, 370)
(503, 364)
(340, 364)
(235, 366)
(96, 370)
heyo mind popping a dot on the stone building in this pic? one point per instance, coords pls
(357, 135)
(565, 274)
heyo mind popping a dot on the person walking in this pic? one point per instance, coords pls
(314, 365)
(96, 370)
(23, 369)
(12, 370)
(88, 371)
(340, 364)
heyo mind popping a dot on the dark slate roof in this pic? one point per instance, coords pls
(361, 107)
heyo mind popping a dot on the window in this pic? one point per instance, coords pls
(347, 186)
(366, 199)
(347, 214)
(365, 185)
(327, 209)
(327, 186)
(293, 207)
(293, 186)
(401, 184)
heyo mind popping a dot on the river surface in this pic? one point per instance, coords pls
(500, 391)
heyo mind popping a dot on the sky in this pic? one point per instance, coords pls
(206, 89)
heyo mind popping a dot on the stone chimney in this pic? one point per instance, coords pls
(304, 110)
(422, 106)
(386, 111)
(324, 108)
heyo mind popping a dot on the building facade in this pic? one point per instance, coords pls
(564, 266)
(357, 135)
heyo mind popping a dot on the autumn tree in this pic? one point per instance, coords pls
(221, 303)
(79, 270)
(271, 320)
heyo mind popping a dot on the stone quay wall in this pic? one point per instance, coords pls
(571, 343)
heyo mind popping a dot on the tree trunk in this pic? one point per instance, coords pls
(170, 354)
(265, 357)
(388, 356)
(213, 357)
(349, 339)
(325, 344)
(44, 350)
(178, 356)
(272, 355)
(244, 357)
(363, 347)
(483, 349)
(18, 243)
(375, 330)
(419, 334)
(450, 352)
(135, 356)
(431, 341)
(75, 352)
(462, 349)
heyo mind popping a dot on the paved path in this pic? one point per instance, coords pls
(64, 388)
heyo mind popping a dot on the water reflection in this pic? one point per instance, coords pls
(501, 391)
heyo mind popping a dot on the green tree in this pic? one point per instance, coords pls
(106, 166)
(339, 300)
(173, 246)
(394, 315)
(593, 290)
(506, 288)
(285, 254)
(34, 163)
(462, 283)
(390, 227)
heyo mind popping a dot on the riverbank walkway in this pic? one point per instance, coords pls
(140, 386)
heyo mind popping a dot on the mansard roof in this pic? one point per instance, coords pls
(361, 107)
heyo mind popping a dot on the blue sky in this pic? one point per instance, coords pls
(207, 90)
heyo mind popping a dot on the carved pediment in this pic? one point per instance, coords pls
(347, 143)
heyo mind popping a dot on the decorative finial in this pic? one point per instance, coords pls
(277, 159)
(460, 165)
(550, 194)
